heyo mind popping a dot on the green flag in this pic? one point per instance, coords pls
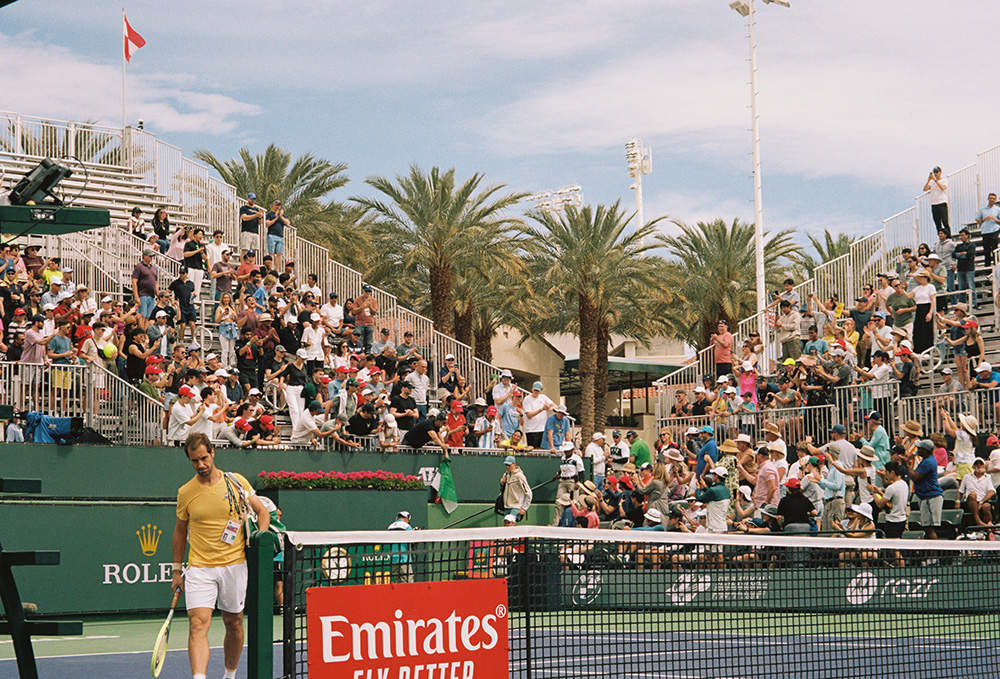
(446, 486)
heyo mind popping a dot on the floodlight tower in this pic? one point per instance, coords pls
(640, 162)
(745, 8)
(555, 201)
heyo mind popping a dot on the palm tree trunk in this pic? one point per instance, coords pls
(463, 324)
(601, 377)
(588, 365)
(441, 309)
(484, 345)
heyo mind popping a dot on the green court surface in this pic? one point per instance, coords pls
(121, 634)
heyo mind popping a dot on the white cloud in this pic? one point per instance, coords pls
(846, 88)
(54, 82)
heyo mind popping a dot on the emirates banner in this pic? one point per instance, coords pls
(431, 630)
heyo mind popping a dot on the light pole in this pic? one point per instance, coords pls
(555, 201)
(640, 162)
(745, 8)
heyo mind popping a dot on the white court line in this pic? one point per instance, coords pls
(90, 655)
(94, 636)
(644, 675)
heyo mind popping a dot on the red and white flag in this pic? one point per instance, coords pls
(133, 41)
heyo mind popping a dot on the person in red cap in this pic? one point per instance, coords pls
(456, 425)
(263, 432)
(487, 429)
(907, 372)
(182, 414)
(795, 510)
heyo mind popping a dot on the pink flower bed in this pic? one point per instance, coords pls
(380, 480)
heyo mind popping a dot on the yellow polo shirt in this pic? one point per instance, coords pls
(208, 509)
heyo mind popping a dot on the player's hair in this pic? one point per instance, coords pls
(194, 441)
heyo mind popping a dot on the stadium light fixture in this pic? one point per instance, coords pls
(640, 162)
(555, 201)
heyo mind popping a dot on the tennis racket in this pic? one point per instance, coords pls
(160, 648)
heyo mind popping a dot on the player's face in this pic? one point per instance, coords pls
(202, 461)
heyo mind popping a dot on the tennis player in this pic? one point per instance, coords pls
(212, 508)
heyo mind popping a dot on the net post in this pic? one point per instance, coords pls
(260, 604)
(290, 589)
(526, 602)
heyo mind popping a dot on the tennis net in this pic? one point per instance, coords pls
(608, 603)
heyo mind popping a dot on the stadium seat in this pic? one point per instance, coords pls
(913, 534)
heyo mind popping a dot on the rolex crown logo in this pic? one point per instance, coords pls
(149, 538)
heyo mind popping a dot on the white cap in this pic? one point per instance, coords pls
(722, 379)
(721, 472)
(106, 299)
(598, 435)
(505, 373)
(56, 280)
(210, 357)
(699, 389)
(731, 390)
(744, 438)
(315, 317)
(747, 365)
(161, 314)
(450, 357)
(984, 367)
(302, 353)
(691, 431)
(48, 307)
(254, 392)
(907, 343)
(223, 373)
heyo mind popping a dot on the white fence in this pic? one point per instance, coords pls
(794, 423)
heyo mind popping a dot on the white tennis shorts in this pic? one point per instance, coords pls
(227, 585)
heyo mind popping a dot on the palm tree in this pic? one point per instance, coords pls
(827, 250)
(436, 226)
(715, 268)
(300, 186)
(586, 265)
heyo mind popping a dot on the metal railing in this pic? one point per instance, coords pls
(63, 390)
(104, 401)
(855, 401)
(23, 135)
(794, 423)
(925, 408)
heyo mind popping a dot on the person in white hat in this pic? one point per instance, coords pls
(860, 526)
(599, 457)
(966, 438)
(504, 389)
(712, 491)
(571, 470)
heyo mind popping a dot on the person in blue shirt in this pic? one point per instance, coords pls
(556, 429)
(927, 488)
(988, 220)
(275, 221)
(709, 453)
(987, 380)
(510, 414)
(879, 439)
(816, 345)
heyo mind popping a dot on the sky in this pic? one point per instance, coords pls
(857, 99)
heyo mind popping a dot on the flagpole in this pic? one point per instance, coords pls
(123, 70)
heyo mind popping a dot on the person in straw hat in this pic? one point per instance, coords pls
(861, 526)
(966, 438)
(728, 452)
(772, 434)
(925, 296)
(912, 433)
(863, 470)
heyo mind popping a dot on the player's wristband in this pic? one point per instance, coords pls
(176, 566)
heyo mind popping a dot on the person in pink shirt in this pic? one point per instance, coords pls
(764, 481)
(748, 380)
(722, 343)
